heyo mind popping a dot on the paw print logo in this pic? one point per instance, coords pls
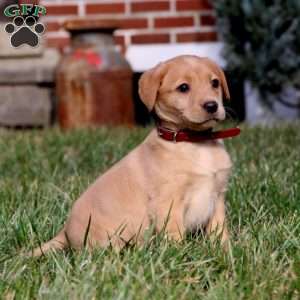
(24, 31)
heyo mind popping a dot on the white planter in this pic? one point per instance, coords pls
(258, 113)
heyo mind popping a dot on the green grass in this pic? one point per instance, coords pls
(43, 172)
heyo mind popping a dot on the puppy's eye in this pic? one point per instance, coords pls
(215, 83)
(183, 88)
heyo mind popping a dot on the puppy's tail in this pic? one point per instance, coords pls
(59, 242)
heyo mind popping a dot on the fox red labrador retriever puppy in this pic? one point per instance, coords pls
(179, 173)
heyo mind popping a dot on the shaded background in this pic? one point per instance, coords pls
(152, 31)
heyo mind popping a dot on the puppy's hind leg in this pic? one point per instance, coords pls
(59, 242)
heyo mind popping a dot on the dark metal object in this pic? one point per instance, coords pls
(94, 81)
(235, 108)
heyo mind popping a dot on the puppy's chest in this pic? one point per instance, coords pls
(193, 177)
(200, 198)
(207, 185)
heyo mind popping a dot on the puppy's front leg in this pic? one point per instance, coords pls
(217, 224)
(172, 222)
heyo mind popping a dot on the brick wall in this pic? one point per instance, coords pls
(143, 21)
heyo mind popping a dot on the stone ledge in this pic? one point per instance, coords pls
(25, 106)
(30, 69)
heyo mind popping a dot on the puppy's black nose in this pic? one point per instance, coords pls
(210, 106)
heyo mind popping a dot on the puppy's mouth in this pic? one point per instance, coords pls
(203, 125)
(209, 120)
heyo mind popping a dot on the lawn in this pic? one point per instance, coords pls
(43, 172)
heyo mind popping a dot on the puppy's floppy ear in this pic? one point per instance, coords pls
(221, 76)
(149, 85)
(224, 85)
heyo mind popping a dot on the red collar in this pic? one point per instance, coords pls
(186, 135)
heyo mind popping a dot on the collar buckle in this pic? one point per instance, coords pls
(175, 136)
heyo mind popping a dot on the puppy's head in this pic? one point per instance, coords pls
(187, 91)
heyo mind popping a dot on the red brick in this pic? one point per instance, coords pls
(134, 23)
(193, 4)
(207, 20)
(145, 6)
(105, 8)
(53, 26)
(165, 22)
(58, 42)
(197, 37)
(62, 10)
(150, 38)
